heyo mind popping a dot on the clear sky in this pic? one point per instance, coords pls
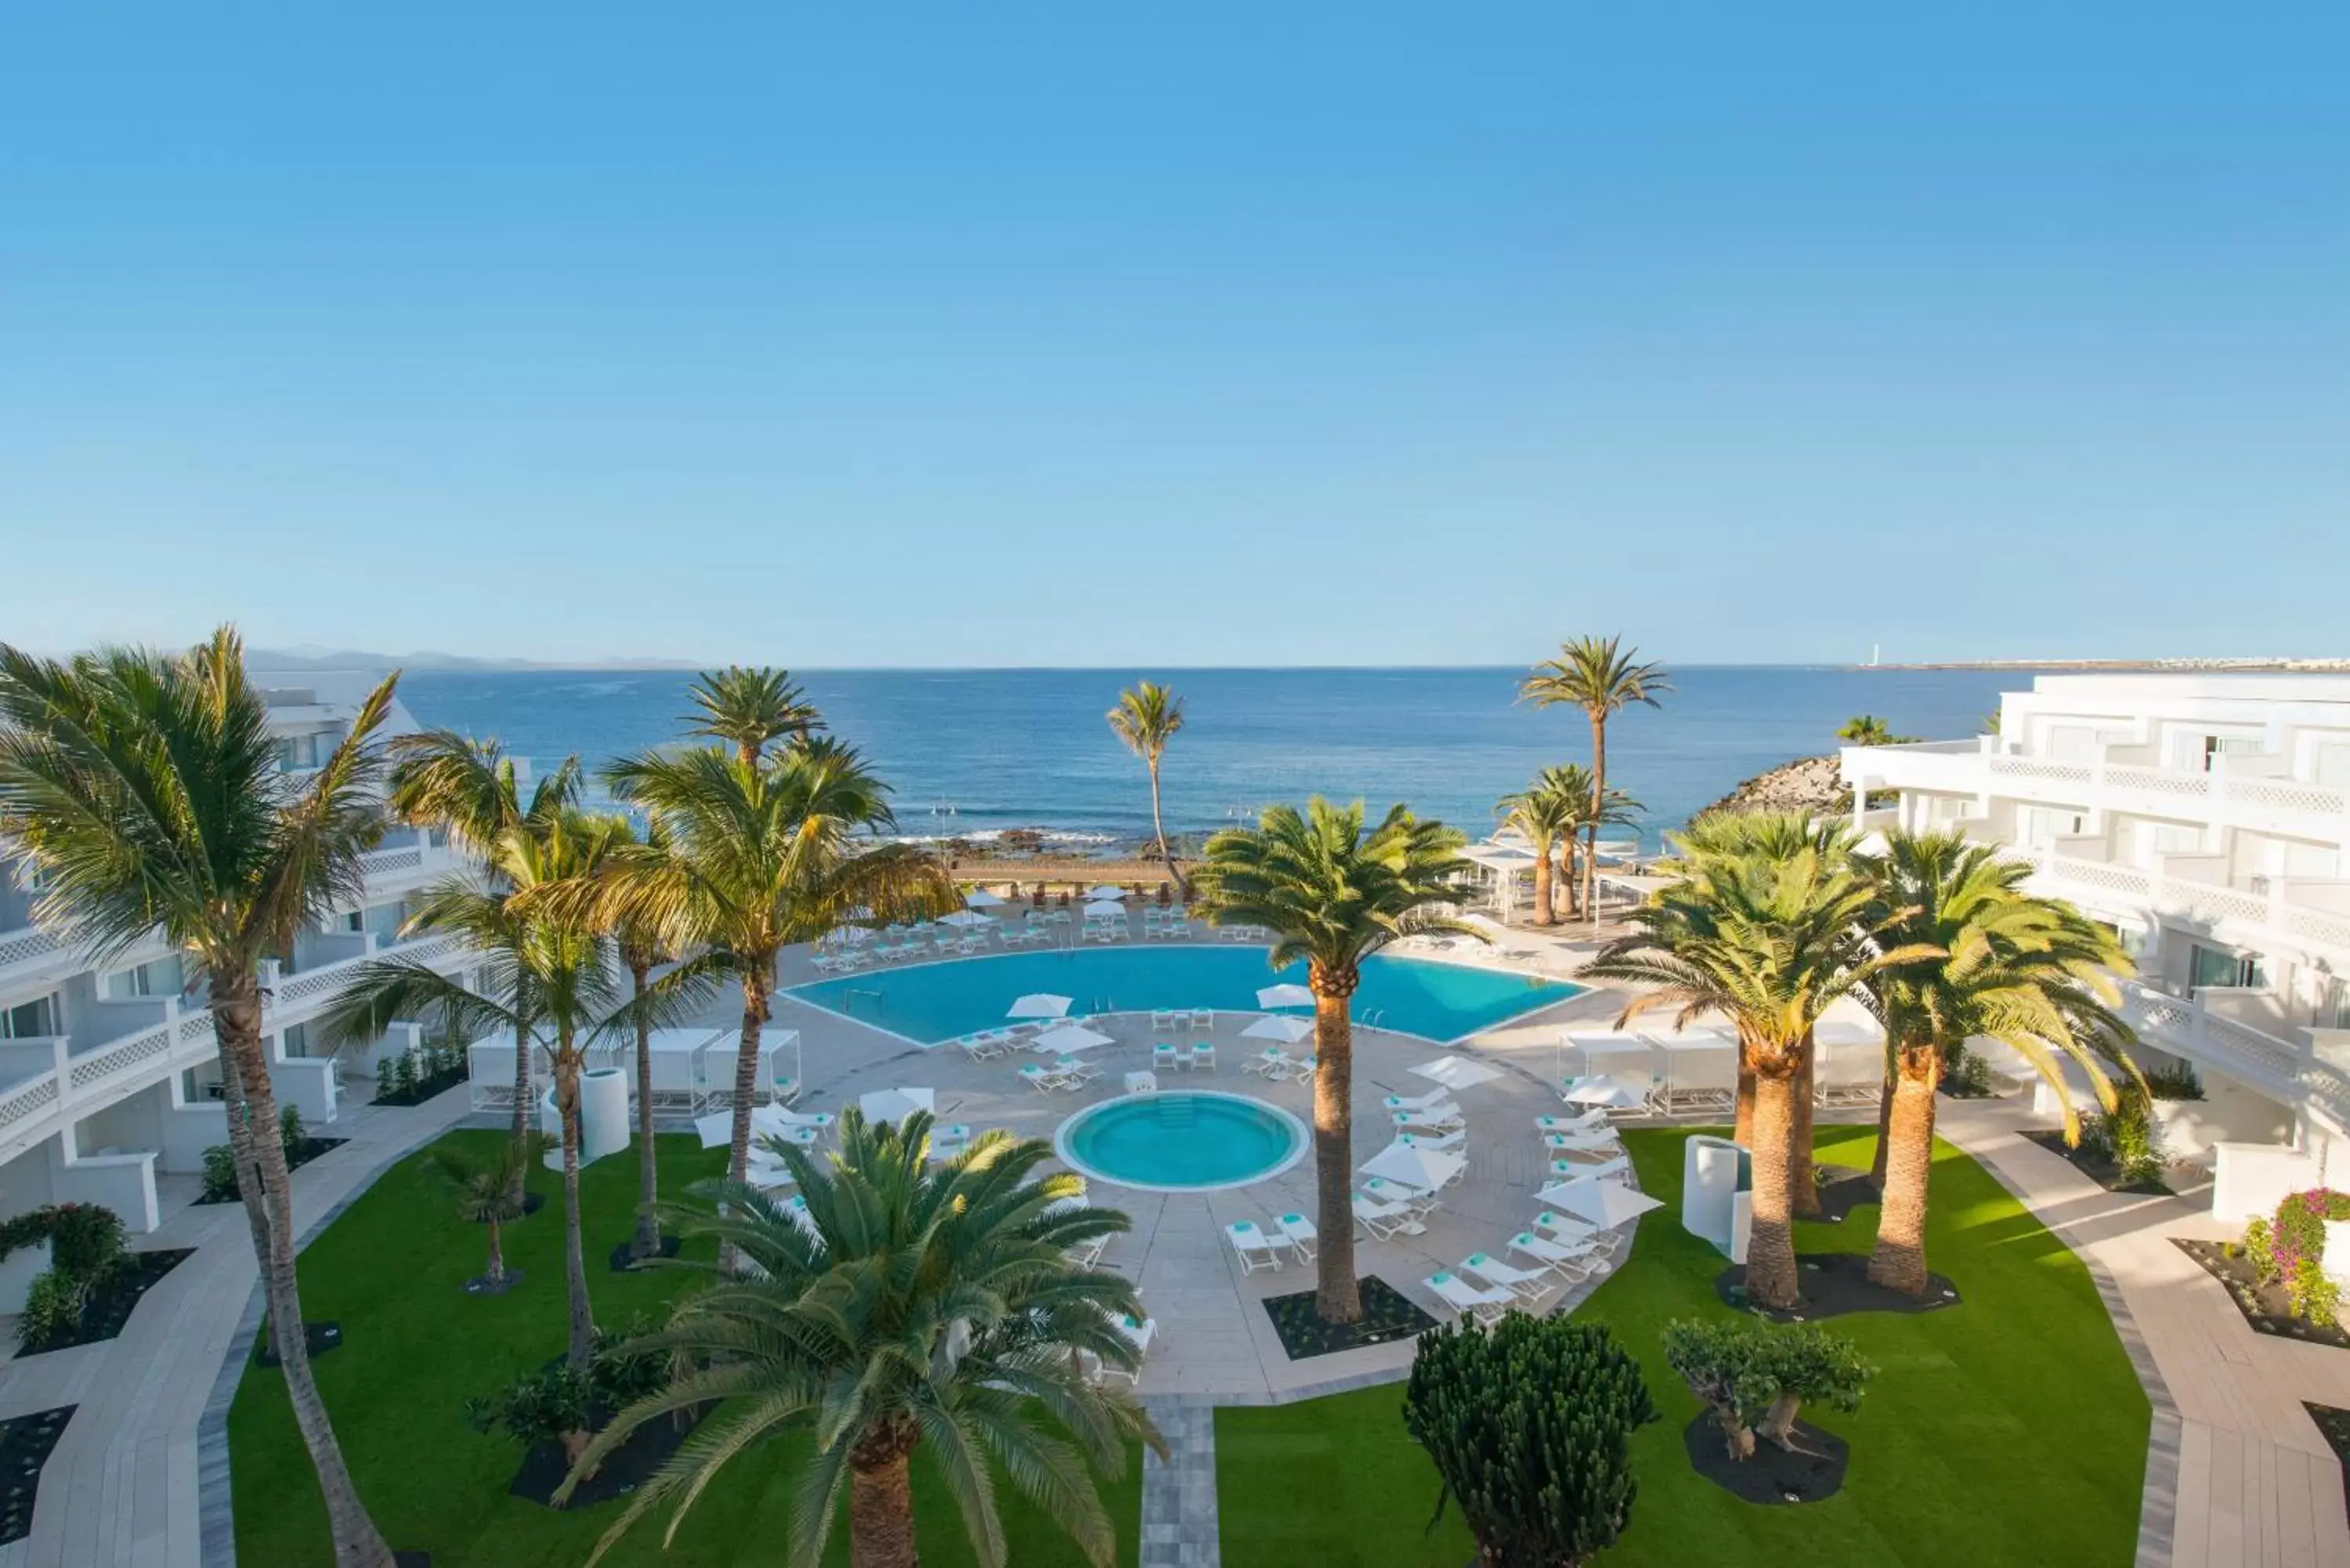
(1017, 333)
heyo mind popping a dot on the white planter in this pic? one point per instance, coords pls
(2337, 1248)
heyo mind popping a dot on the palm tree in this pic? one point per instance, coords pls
(146, 789)
(750, 709)
(485, 1190)
(1769, 944)
(549, 968)
(641, 951)
(1333, 894)
(1868, 730)
(1146, 718)
(1616, 808)
(1600, 676)
(925, 1309)
(758, 856)
(469, 790)
(1546, 811)
(2030, 972)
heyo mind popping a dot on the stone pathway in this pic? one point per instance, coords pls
(1180, 1528)
(130, 1482)
(2236, 1473)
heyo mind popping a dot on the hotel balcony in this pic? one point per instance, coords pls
(2245, 790)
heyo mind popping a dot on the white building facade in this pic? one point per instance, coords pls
(108, 1075)
(2207, 819)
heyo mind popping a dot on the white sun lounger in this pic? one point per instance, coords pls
(1589, 1142)
(1256, 1248)
(1141, 1336)
(1575, 1260)
(1381, 1190)
(1384, 1220)
(1448, 1142)
(1436, 1096)
(1529, 1286)
(1271, 1061)
(1484, 1305)
(1436, 1119)
(1571, 1169)
(1300, 1232)
(1565, 1227)
(1043, 1079)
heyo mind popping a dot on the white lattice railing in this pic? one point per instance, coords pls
(2267, 919)
(2186, 1028)
(181, 1040)
(26, 945)
(2288, 795)
(380, 862)
(2167, 781)
(2041, 768)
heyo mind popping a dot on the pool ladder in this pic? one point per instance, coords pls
(1375, 1019)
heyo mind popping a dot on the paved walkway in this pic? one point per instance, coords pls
(126, 1484)
(2237, 1473)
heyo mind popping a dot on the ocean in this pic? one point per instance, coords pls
(972, 752)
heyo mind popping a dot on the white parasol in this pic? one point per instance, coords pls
(1039, 1004)
(1414, 1166)
(981, 898)
(897, 1105)
(1070, 1038)
(1284, 995)
(963, 917)
(1456, 1072)
(1279, 1026)
(1606, 1092)
(1606, 1204)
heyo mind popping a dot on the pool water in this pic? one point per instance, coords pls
(1185, 1142)
(934, 1001)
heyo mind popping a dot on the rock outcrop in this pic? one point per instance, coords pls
(1809, 785)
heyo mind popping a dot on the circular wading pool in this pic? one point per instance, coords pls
(1190, 1141)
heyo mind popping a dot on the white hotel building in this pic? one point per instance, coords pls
(2206, 818)
(109, 1077)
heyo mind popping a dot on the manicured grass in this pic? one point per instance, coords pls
(416, 1348)
(2007, 1429)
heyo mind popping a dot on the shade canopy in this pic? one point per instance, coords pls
(963, 917)
(1604, 1203)
(1071, 1037)
(1414, 1165)
(1284, 995)
(896, 1105)
(1279, 1026)
(1039, 1004)
(1106, 891)
(1601, 1043)
(1606, 1092)
(981, 898)
(1456, 1072)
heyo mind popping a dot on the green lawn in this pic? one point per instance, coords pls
(2007, 1429)
(416, 1348)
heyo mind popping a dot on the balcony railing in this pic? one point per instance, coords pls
(1966, 766)
(2287, 1071)
(2272, 913)
(181, 1040)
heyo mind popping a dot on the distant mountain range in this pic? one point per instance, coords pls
(315, 656)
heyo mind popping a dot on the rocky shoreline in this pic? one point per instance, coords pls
(1813, 785)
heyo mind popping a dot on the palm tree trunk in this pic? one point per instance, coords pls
(1803, 1187)
(1337, 1294)
(1741, 1131)
(1771, 1240)
(1159, 826)
(267, 1193)
(881, 1515)
(575, 1252)
(647, 1238)
(1899, 1260)
(522, 1105)
(1884, 1117)
(497, 1270)
(1598, 804)
(1543, 897)
(746, 1073)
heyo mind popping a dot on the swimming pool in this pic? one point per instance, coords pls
(1189, 1141)
(930, 1002)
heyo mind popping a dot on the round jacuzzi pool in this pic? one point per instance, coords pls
(1187, 1141)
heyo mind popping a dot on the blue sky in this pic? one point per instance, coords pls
(1204, 334)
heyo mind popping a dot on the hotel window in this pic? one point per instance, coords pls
(31, 1021)
(299, 754)
(158, 977)
(2219, 966)
(2334, 1008)
(297, 1039)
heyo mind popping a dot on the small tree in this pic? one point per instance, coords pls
(1530, 1424)
(1754, 1375)
(486, 1188)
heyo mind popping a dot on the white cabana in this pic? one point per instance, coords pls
(1284, 995)
(1604, 1094)
(1847, 1062)
(1700, 1069)
(1414, 1165)
(1597, 1200)
(1457, 1071)
(896, 1105)
(1595, 1043)
(1039, 1004)
(1279, 1026)
(1070, 1039)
